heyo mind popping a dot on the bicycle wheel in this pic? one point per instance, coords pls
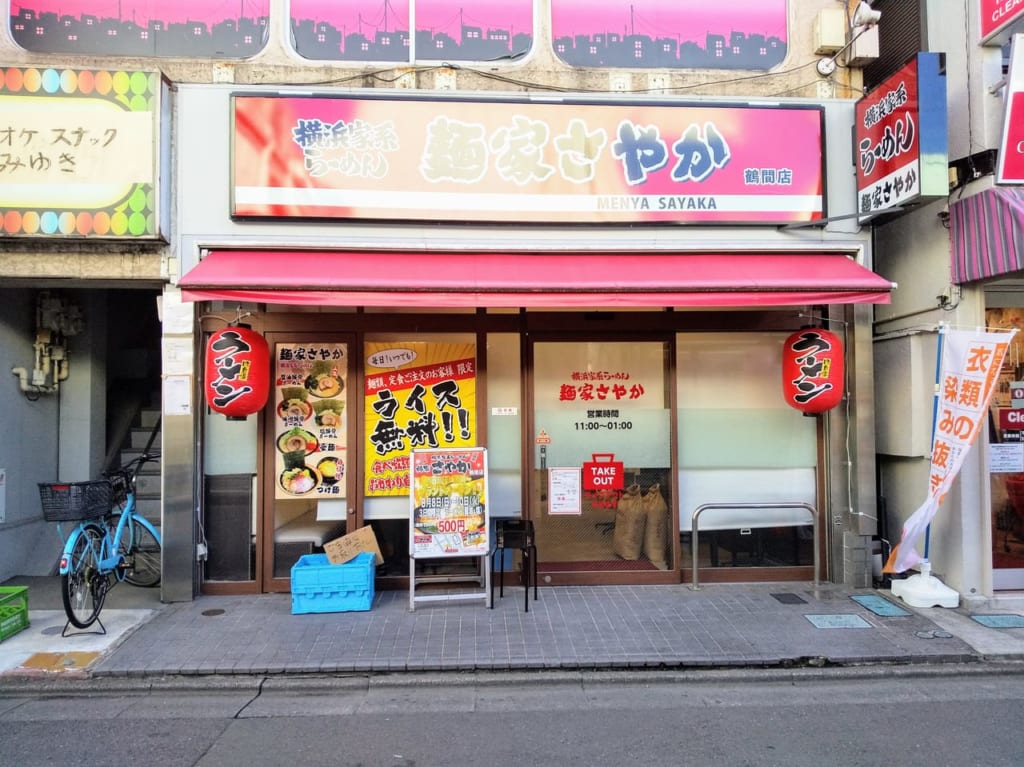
(141, 553)
(84, 588)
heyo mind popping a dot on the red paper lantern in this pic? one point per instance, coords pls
(237, 381)
(812, 370)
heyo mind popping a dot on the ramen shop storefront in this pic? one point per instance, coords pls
(618, 375)
(642, 411)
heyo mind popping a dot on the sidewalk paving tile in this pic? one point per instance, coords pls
(570, 627)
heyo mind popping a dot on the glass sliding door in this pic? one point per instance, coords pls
(600, 493)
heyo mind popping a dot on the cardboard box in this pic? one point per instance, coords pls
(344, 549)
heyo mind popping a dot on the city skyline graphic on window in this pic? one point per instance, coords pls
(736, 34)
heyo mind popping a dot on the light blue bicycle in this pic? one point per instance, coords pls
(111, 543)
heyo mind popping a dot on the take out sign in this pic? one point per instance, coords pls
(603, 473)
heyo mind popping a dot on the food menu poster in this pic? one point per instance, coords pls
(448, 503)
(418, 395)
(309, 432)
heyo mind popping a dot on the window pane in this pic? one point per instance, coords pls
(446, 30)
(693, 34)
(193, 28)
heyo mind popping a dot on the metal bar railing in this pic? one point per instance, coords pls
(695, 585)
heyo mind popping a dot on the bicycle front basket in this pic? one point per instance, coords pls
(68, 501)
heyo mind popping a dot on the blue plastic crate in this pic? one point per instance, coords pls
(320, 587)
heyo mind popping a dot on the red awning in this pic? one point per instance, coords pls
(446, 279)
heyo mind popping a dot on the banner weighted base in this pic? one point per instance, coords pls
(925, 590)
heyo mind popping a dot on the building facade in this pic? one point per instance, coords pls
(593, 273)
(957, 263)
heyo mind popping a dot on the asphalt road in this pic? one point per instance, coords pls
(880, 716)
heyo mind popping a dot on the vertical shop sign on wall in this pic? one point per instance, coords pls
(309, 425)
(417, 395)
(901, 147)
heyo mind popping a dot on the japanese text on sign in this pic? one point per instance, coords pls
(964, 395)
(75, 146)
(232, 368)
(528, 161)
(588, 391)
(310, 435)
(448, 500)
(425, 398)
(812, 367)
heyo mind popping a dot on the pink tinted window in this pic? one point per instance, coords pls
(446, 30)
(189, 28)
(667, 34)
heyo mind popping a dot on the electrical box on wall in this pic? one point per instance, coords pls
(829, 31)
(863, 49)
(904, 389)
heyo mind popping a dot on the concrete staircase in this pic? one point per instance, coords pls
(148, 485)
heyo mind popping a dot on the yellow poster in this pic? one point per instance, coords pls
(449, 503)
(417, 395)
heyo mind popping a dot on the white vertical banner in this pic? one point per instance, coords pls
(967, 378)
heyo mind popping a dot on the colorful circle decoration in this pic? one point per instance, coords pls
(133, 213)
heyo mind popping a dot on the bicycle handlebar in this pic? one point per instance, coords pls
(130, 470)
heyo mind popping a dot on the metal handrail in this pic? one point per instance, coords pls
(695, 585)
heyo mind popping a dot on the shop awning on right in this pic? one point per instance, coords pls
(987, 234)
(500, 279)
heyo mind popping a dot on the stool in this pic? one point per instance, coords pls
(515, 534)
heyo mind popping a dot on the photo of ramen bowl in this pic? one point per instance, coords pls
(300, 481)
(324, 380)
(298, 439)
(294, 409)
(328, 412)
(332, 470)
(323, 386)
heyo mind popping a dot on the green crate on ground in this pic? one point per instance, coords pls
(13, 610)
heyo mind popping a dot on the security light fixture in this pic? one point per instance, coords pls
(865, 16)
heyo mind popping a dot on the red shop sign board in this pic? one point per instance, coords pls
(999, 19)
(1010, 169)
(1011, 418)
(603, 473)
(901, 141)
